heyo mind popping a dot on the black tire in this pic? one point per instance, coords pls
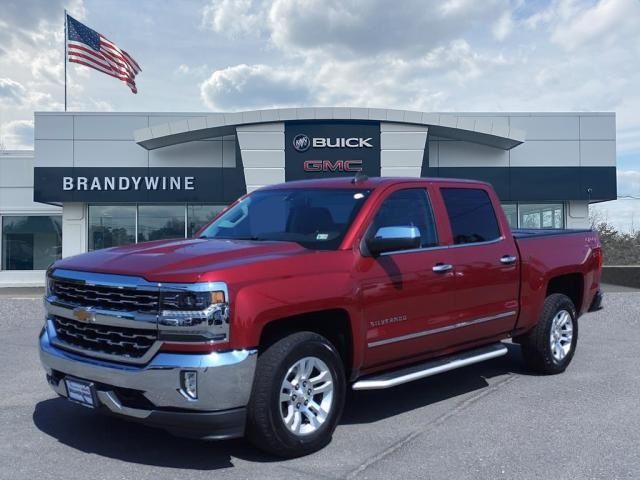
(536, 345)
(266, 428)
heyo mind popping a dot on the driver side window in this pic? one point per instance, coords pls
(408, 207)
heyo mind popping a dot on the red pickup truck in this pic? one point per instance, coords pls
(296, 292)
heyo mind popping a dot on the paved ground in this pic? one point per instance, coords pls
(492, 420)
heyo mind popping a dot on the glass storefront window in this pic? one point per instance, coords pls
(111, 225)
(199, 215)
(31, 242)
(511, 212)
(541, 215)
(157, 222)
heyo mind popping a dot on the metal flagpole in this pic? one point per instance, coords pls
(65, 60)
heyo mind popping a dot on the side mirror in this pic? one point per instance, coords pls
(389, 239)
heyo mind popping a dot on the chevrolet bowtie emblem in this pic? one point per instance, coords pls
(83, 315)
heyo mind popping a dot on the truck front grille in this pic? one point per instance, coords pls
(107, 298)
(104, 339)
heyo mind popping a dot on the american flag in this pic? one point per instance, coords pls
(87, 47)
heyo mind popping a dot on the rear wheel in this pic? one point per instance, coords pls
(298, 395)
(550, 346)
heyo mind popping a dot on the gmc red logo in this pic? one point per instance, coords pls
(333, 166)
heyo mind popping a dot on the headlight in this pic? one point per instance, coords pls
(190, 300)
(194, 313)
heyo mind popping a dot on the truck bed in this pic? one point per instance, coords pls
(552, 253)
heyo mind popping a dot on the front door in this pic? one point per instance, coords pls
(405, 302)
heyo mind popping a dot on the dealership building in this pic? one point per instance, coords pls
(96, 180)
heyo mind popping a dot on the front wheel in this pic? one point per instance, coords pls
(298, 395)
(550, 346)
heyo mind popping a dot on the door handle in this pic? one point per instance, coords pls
(508, 259)
(442, 267)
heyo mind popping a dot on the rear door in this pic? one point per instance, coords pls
(485, 264)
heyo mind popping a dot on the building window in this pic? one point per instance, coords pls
(511, 212)
(31, 242)
(114, 225)
(159, 222)
(111, 225)
(199, 215)
(541, 215)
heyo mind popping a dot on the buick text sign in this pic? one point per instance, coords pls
(137, 184)
(331, 149)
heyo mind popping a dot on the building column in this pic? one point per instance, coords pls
(74, 229)
(262, 150)
(402, 149)
(578, 214)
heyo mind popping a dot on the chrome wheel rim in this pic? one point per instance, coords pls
(306, 396)
(561, 335)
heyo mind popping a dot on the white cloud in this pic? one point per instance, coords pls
(624, 213)
(234, 17)
(503, 26)
(629, 183)
(11, 92)
(17, 135)
(183, 69)
(350, 27)
(601, 25)
(253, 86)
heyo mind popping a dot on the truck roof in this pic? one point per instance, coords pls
(367, 183)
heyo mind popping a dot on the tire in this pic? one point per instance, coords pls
(549, 348)
(272, 419)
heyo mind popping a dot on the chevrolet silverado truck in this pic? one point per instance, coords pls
(259, 324)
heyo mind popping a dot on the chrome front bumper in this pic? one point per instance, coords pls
(224, 386)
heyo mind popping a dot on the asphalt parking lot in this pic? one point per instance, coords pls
(492, 420)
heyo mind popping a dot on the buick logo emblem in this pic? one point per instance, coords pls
(301, 142)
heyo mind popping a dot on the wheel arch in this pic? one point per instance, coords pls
(569, 284)
(333, 324)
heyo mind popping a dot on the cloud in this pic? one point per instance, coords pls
(355, 27)
(629, 183)
(503, 27)
(11, 91)
(17, 135)
(603, 24)
(253, 86)
(234, 17)
(27, 22)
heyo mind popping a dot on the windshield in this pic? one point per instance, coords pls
(315, 218)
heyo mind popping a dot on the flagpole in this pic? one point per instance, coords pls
(65, 59)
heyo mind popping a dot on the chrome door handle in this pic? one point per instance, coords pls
(508, 259)
(442, 267)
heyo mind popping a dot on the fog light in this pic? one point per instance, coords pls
(190, 384)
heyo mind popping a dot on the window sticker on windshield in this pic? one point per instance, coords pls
(322, 236)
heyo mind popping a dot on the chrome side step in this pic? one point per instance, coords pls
(432, 367)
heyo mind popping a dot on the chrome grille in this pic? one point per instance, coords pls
(108, 298)
(104, 339)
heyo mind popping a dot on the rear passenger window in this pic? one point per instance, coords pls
(409, 207)
(471, 215)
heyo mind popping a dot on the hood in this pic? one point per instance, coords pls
(178, 260)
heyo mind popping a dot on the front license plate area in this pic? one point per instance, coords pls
(81, 392)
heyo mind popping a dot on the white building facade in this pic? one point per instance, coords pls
(120, 178)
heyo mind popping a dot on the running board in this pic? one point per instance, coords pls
(432, 367)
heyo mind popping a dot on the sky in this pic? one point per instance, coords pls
(440, 55)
